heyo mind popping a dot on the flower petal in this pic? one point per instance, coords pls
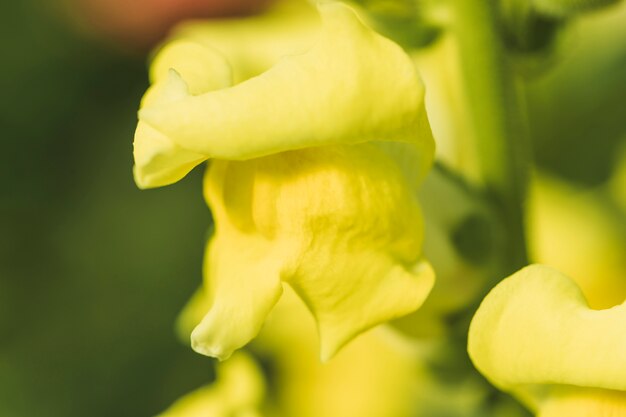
(358, 291)
(535, 330)
(340, 224)
(240, 301)
(584, 402)
(318, 98)
(242, 275)
(203, 68)
(158, 160)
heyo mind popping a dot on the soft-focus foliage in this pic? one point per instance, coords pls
(576, 99)
(455, 214)
(618, 182)
(446, 102)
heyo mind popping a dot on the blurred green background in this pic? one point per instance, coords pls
(93, 271)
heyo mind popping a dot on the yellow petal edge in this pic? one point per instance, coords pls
(535, 336)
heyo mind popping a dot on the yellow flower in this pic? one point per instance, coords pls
(535, 336)
(311, 183)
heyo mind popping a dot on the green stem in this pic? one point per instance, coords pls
(497, 124)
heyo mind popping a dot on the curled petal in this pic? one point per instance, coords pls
(321, 97)
(203, 68)
(159, 160)
(535, 331)
(240, 301)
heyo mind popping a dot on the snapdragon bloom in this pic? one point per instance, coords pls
(313, 169)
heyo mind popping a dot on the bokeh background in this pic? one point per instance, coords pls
(93, 271)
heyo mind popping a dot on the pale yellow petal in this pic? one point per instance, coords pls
(203, 68)
(242, 281)
(584, 402)
(535, 330)
(322, 97)
(340, 224)
(357, 291)
(158, 160)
